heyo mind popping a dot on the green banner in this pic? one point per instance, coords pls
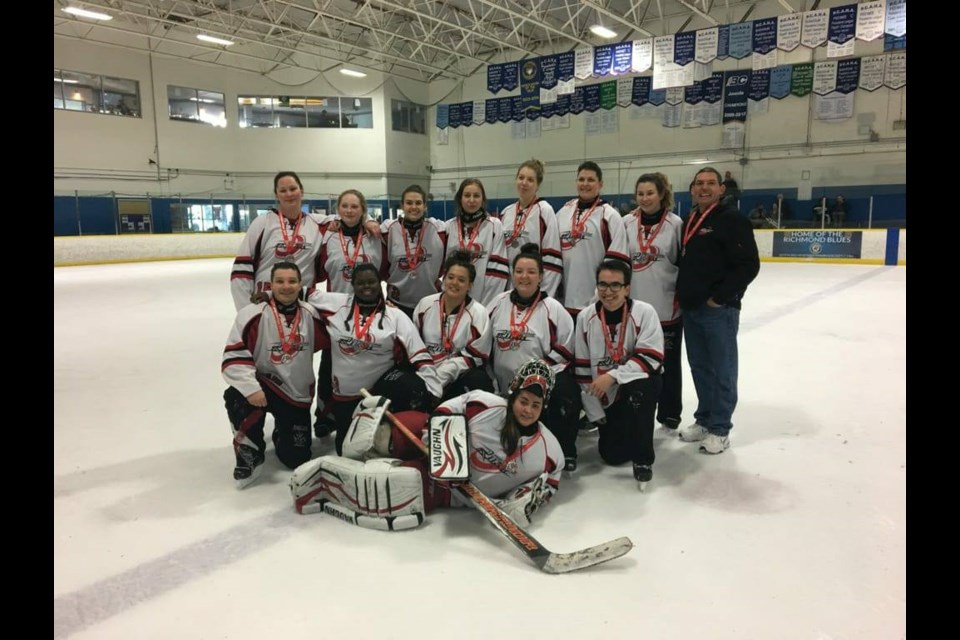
(801, 83)
(608, 94)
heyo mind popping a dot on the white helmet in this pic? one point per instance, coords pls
(534, 376)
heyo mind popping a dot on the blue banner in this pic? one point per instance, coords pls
(641, 90)
(516, 108)
(817, 244)
(510, 76)
(563, 105)
(576, 101)
(848, 75)
(466, 114)
(735, 87)
(505, 111)
(591, 97)
(491, 114)
(713, 88)
(548, 72)
(741, 40)
(494, 77)
(684, 46)
(622, 57)
(455, 115)
(843, 24)
(443, 116)
(780, 78)
(548, 110)
(764, 35)
(530, 87)
(759, 84)
(723, 41)
(565, 65)
(894, 42)
(658, 97)
(603, 59)
(694, 93)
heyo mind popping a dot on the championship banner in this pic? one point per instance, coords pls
(711, 110)
(510, 76)
(548, 110)
(871, 72)
(443, 116)
(694, 94)
(691, 115)
(896, 23)
(548, 73)
(706, 45)
(764, 35)
(870, 19)
(505, 109)
(583, 63)
(741, 40)
(848, 75)
(780, 78)
(835, 106)
(622, 57)
(824, 77)
(788, 31)
(674, 96)
(684, 47)
(466, 114)
(723, 41)
(843, 28)
(608, 95)
(801, 81)
(516, 109)
(566, 87)
(530, 87)
(494, 78)
(576, 101)
(657, 96)
(563, 105)
(894, 42)
(565, 65)
(817, 244)
(666, 72)
(641, 57)
(672, 113)
(479, 111)
(759, 87)
(491, 111)
(591, 97)
(624, 91)
(547, 96)
(702, 71)
(603, 59)
(895, 75)
(815, 26)
(454, 115)
(641, 91)
(735, 87)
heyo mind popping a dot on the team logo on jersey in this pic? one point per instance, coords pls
(346, 271)
(508, 340)
(484, 459)
(403, 263)
(436, 351)
(351, 346)
(641, 260)
(519, 241)
(569, 239)
(475, 250)
(284, 352)
(292, 248)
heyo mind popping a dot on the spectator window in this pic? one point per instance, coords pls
(196, 105)
(409, 117)
(78, 91)
(325, 112)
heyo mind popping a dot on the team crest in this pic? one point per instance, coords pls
(403, 263)
(641, 260)
(475, 250)
(569, 239)
(351, 346)
(292, 248)
(284, 352)
(508, 340)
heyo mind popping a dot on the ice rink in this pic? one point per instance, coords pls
(798, 531)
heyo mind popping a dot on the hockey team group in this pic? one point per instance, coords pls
(494, 343)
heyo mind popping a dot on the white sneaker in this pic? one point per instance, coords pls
(714, 444)
(693, 432)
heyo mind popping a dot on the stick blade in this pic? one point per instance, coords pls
(566, 562)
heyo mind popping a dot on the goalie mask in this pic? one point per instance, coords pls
(535, 376)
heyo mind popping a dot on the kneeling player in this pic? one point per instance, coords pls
(384, 481)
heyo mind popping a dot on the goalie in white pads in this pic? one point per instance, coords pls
(385, 482)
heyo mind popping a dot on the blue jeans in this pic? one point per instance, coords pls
(711, 337)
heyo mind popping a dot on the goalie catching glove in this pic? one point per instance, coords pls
(377, 494)
(368, 435)
(521, 503)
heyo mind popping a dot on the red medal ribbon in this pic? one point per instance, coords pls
(520, 221)
(692, 226)
(616, 354)
(447, 338)
(413, 260)
(288, 241)
(288, 343)
(645, 246)
(361, 329)
(517, 328)
(579, 223)
(473, 233)
(351, 260)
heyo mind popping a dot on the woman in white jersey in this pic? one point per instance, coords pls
(532, 219)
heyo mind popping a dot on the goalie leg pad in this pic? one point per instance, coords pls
(377, 494)
(368, 435)
(448, 448)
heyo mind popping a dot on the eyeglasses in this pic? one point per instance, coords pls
(613, 286)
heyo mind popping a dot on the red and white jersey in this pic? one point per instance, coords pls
(416, 262)
(587, 238)
(267, 242)
(456, 341)
(493, 471)
(339, 254)
(536, 223)
(544, 330)
(485, 243)
(365, 348)
(628, 350)
(257, 356)
(654, 256)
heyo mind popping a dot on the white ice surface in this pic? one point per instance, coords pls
(796, 532)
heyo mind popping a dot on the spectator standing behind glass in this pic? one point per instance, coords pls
(416, 250)
(654, 236)
(591, 231)
(732, 193)
(268, 363)
(718, 261)
(527, 323)
(456, 330)
(619, 360)
(481, 235)
(839, 212)
(532, 219)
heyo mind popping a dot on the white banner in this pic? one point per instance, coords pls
(610, 121)
(764, 60)
(443, 136)
(824, 77)
(702, 71)
(642, 55)
(758, 106)
(706, 47)
(662, 52)
(548, 96)
(566, 87)
(733, 132)
(788, 31)
(896, 72)
(815, 25)
(624, 91)
(479, 111)
(896, 18)
(533, 128)
(871, 72)
(835, 50)
(583, 63)
(836, 106)
(710, 113)
(674, 95)
(691, 115)
(870, 18)
(667, 73)
(671, 115)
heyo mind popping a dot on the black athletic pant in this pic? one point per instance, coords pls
(562, 414)
(628, 434)
(291, 426)
(473, 379)
(670, 404)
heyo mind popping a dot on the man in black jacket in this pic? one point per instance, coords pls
(719, 259)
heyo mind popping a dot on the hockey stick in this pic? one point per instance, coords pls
(543, 558)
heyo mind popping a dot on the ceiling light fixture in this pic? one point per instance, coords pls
(353, 74)
(65, 81)
(603, 32)
(83, 13)
(207, 38)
